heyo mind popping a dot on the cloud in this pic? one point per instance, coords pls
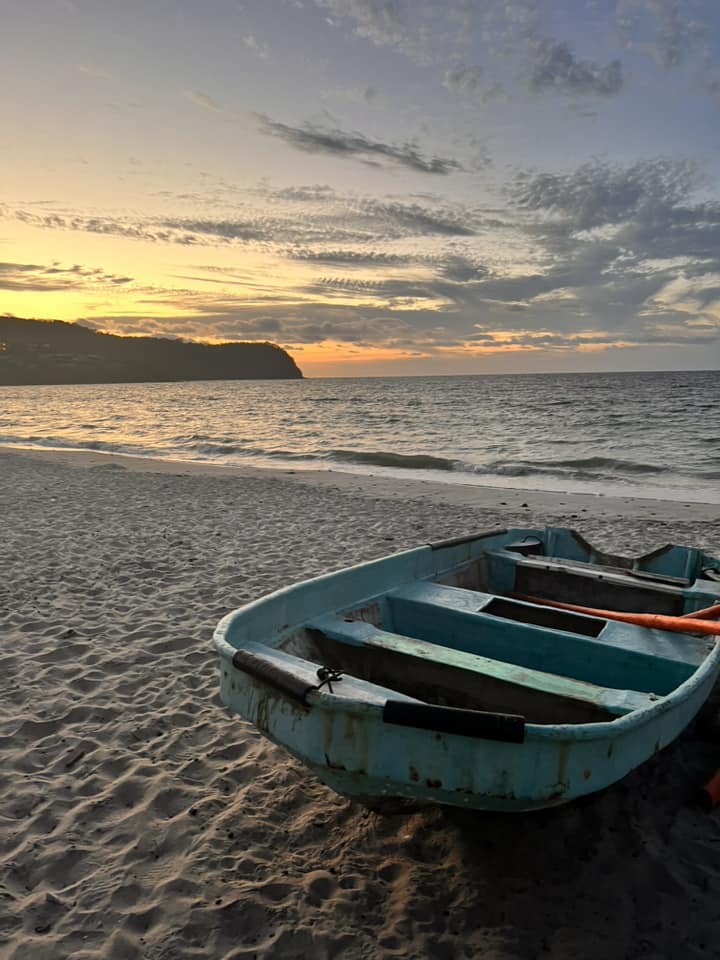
(416, 219)
(355, 146)
(591, 290)
(383, 22)
(301, 216)
(222, 229)
(176, 230)
(348, 220)
(257, 46)
(584, 340)
(204, 100)
(504, 30)
(38, 278)
(603, 253)
(711, 83)
(353, 258)
(501, 329)
(557, 68)
(598, 194)
(366, 95)
(110, 226)
(316, 193)
(460, 269)
(666, 30)
(631, 245)
(467, 81)
(92, 70)
(267, 327)
(672, 32)
(423, 30)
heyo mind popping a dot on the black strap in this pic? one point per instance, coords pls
(272, 674)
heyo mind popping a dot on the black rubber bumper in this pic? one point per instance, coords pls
(506, 727)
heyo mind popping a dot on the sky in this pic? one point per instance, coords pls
(380, 186)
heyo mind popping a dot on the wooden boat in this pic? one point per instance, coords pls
(422, 676)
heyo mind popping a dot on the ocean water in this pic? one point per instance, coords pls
(641, 434)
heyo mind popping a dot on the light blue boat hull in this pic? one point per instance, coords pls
(343, 736)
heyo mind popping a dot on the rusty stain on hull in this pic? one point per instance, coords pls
(262, 719)
(338, 766)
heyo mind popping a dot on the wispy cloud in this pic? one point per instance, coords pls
(204, 100)
(257, 46)
(353, 258)
(596, 256)
(416, 219)
(112, 226)
(338, 143)
(558, 68)
(667, 30)
(629, 242)
(41, 278)
(467, 81)
(299, 216)
(506, 31)
(222, 229)
(315, 193)
(597, 193)
(92, 70)
(366, 95)
(383, 22)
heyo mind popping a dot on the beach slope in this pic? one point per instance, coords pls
(137, 820)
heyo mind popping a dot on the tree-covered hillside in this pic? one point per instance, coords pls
(51, 351)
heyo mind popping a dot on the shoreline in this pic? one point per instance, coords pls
(455, 494)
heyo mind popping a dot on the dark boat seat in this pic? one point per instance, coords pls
(588, 584)
(442, 674)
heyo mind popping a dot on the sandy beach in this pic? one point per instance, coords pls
(137, 820)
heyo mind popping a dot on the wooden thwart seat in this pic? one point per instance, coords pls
(442, 674)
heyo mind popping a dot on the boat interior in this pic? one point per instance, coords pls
(473, 637)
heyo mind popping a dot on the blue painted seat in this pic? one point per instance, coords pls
(618, 655)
